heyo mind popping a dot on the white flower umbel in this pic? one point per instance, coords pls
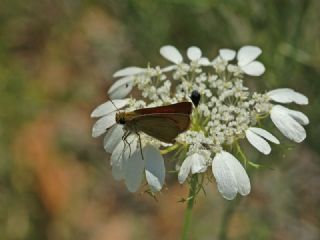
(227, 114)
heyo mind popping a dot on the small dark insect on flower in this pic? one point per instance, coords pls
(195, 97)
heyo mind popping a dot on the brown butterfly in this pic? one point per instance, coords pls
(164, 123)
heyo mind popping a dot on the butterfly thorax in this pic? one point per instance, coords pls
(124, 118)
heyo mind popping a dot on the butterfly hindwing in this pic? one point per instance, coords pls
(164, 127)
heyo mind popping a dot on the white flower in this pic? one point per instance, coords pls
(246, 56)
(257, 136)
(289, 122)
(130, 167)
(194, 54)
(230, 176)
(286, 120)
(219, 64)
(195, 163)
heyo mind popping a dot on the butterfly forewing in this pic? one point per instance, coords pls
(182, 107)
(164, 127)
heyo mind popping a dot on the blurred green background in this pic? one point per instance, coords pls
(56, 62)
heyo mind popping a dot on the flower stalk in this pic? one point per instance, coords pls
(226, 218)
(190, 204)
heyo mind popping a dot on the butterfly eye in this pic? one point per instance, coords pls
(122, 121)
(195, 97)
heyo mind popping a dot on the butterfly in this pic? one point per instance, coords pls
(163, 123)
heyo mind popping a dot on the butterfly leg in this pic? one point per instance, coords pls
(125, 139)
(140, 143)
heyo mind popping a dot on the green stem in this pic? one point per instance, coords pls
(169, 149)
(226, 218)
(243, 156)
(188, 212)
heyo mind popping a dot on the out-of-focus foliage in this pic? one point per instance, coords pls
(56, 62)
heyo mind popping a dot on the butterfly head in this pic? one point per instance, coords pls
(121, 118)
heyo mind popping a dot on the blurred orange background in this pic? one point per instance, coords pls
(57, 58)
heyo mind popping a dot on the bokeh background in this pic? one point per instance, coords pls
(56, 63)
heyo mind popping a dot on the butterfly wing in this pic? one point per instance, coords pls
(162, 126)
(182, 108)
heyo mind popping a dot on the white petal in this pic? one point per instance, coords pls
(224, 176)
(253, 69)
(128, 71)
(121, 88)
(227, 54)
(184, 170)
(204, 61)
(101, 126)
(287, 95)
(198, 163)
(299, 117)
(133, 171)
(112, 138)
(230, 176)
(171, 53)
(194, 53)
(155, 169)
(258, 142)
(117, 161)
(108, 107)
(265, 134)
(296, 115)
(169, 68)
(286, 124)
(120, 156)
(240, 174)
(247, 54)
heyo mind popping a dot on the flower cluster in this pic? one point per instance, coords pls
(227, 113)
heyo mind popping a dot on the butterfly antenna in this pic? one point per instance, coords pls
(113, 104)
